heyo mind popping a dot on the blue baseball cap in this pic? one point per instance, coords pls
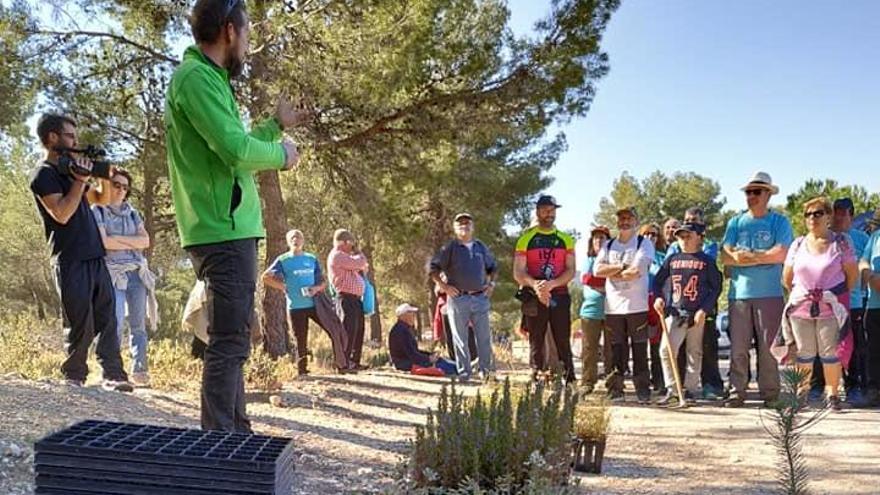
(844, 204)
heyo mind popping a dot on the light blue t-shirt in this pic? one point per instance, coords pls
(297, 271)
(871, 254)
(859, 241)
(757, 234)
(593, 307)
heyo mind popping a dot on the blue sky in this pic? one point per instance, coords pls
(723, 89)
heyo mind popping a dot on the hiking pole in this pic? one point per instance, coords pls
(673, 361)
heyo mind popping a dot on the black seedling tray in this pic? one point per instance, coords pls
(175, 446)
(99, 473)
(44, 462)
(104, 457)
(76, 486)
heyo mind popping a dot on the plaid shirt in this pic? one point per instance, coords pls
(344, 268)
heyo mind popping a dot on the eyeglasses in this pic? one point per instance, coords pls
(754, 192)
(120, 185)
(230, 6)
(814, 214)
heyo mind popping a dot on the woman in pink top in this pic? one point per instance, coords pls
(819, 272)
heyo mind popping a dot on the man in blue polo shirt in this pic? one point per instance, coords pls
(470, 272)
(869, 265)
(755, 245)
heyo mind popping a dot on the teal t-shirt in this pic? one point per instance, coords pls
(859, 241)
(757, 234)
(593, 307)
(871, 254)
(297, 271)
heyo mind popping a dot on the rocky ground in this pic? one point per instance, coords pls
(351, 432)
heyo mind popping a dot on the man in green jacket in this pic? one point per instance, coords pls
(211, 162)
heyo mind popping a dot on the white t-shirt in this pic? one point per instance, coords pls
(627, 297)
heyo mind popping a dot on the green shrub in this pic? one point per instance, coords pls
(592, 418)
(29, 346)
(172, 366)
(505, 444)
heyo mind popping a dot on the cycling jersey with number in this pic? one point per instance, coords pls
(545, 253)
(688, 282)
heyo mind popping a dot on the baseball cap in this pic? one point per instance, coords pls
(461, 215)
(844, 204)
(696, 228)
(628, 209)
(547, 200)
(405, 308)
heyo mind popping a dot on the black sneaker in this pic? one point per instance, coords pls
(644, 397)
(735, 402)
(668, 400)
(616, 397)
(689, 397)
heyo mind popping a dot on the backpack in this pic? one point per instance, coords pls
(639, 240)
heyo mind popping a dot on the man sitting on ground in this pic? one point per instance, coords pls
(404, 350)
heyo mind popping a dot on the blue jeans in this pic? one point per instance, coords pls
(449, 368)
(135, 296)
(473, 309)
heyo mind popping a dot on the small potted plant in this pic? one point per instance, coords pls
(591, 422)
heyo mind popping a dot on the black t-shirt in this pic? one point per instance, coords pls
(77, 240)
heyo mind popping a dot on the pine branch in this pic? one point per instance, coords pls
(98, 34)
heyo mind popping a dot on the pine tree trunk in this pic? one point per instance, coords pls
(274, 318)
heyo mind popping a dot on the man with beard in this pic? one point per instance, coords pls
(544, 261)
(211, 162)
(624, 263)
(669, 228)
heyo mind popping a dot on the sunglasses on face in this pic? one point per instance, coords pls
(814, 214)
(754, 192)
(120, 185)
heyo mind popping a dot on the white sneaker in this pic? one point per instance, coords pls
(117, 386)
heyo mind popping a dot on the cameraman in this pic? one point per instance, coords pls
(212, 160)
(87, 301)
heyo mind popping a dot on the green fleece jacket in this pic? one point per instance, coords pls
(212, 158)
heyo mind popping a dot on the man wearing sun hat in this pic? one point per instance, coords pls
(754, 248)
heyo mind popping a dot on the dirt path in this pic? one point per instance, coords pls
(351, 432)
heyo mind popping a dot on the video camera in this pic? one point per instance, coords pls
(100, 167)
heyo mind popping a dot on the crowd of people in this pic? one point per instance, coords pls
(647, 293)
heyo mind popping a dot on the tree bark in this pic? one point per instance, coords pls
(274, 317)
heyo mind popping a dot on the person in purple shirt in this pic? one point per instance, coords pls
(820, 271)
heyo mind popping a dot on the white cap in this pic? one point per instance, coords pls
(405, 308)
(763, 180)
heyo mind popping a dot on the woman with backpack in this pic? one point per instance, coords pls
(125, 238)
(819, 272)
